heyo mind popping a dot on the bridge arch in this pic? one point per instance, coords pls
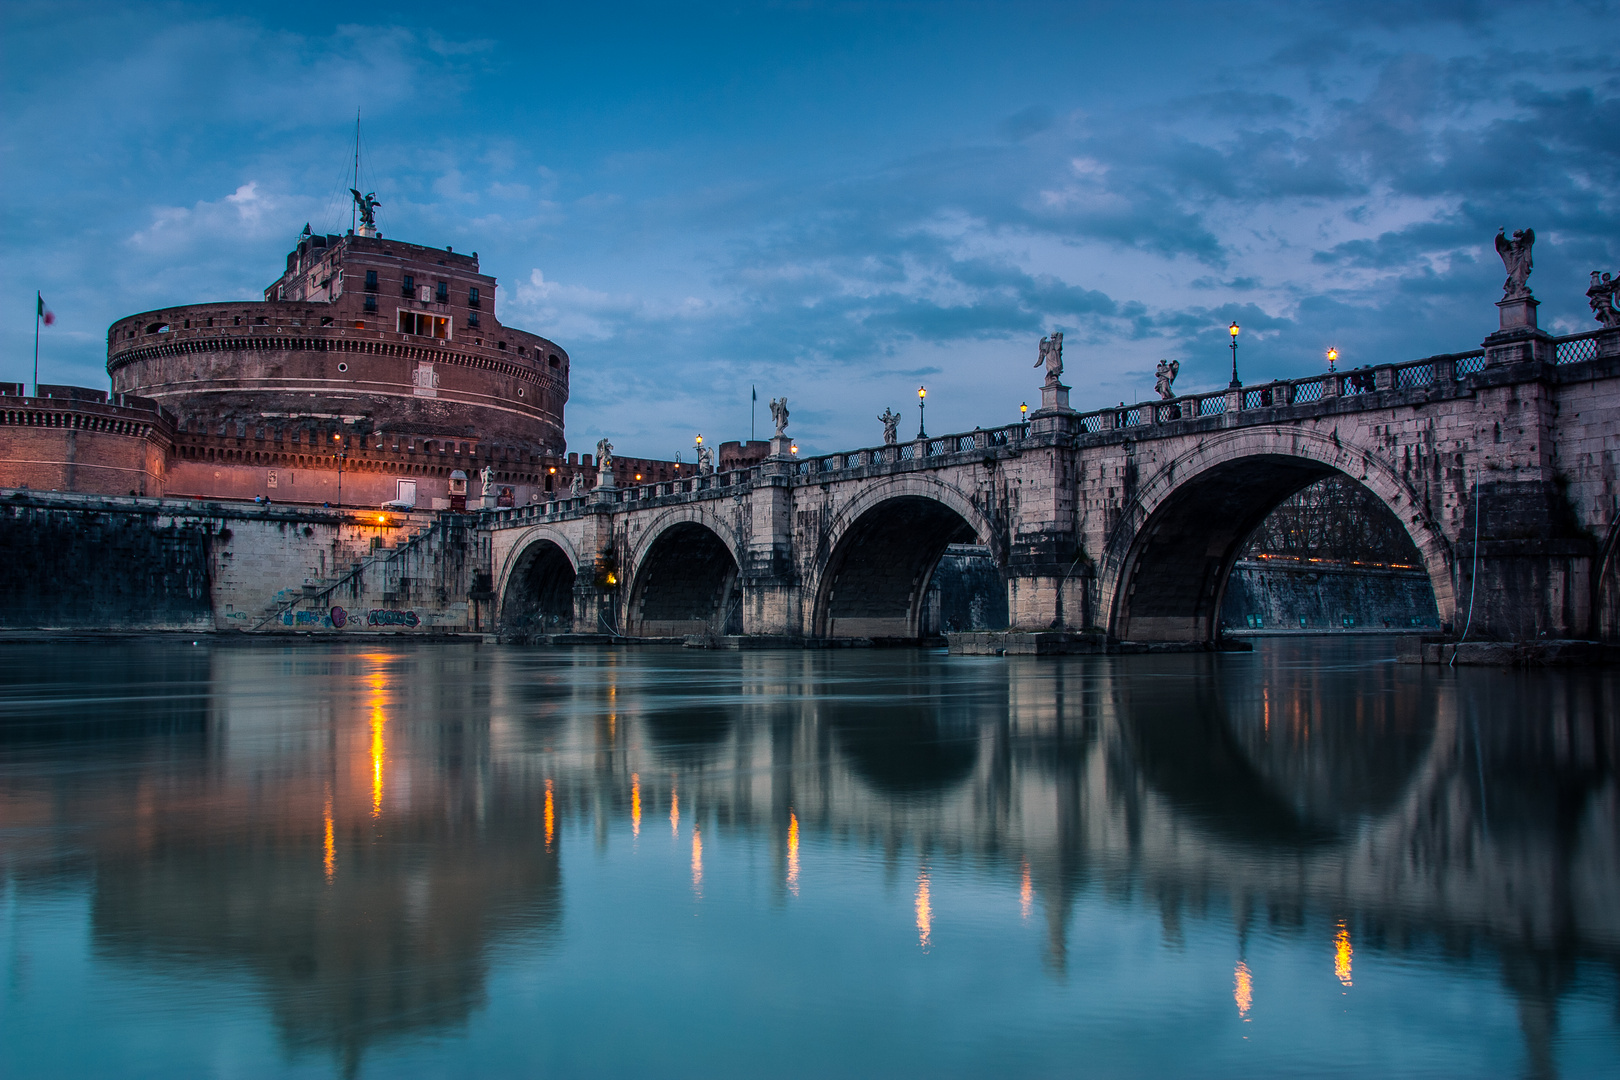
(1163, 571)
(536, 585)
(684, 575)
(871, 571)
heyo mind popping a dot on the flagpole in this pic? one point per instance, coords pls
(753, 400)
(39, 306)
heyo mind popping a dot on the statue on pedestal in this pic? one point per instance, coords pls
(1602, 298)
(486, 476)
(1515, 255)
(576, 485)
(1164, 378)
(705, 461)
(1052, 356)
(891, 426)
(779, 413)
(604, 455)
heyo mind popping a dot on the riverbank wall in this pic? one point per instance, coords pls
(87, 562)
(1287, 595)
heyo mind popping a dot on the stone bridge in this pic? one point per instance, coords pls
(1499, 462)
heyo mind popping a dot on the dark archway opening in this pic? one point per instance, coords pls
(539, 596)
(1330, 557)
(688, 584)
(877, 581)
(1176, 577)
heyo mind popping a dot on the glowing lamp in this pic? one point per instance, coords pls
(1233, 329)
(1332, 358)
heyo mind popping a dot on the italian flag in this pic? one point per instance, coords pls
(44, 312)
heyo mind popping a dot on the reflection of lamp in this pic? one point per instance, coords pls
(1333, 357)
(922, 394)
(1233, 330)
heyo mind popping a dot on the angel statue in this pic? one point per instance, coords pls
(705, 461)
(1164, 378)
(1052, 355)
(1602, 298)
(487, 476)
(604, 455)
(1516, 258)
(891, 426)
(368, 210)
(576, 485)
(779, 413)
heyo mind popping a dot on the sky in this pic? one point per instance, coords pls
(835, 202)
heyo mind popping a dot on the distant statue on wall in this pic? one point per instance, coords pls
(1052, 356)
(779, 413)
(1516, 259)
(486, 476)
(1602, 298)
(705, 461)
(368, 210)
(891, 426)
(1164, 378)
(576, 485)
(604, 455)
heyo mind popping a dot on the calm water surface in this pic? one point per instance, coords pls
(390, 860)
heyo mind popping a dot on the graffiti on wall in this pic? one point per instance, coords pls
(392, 617)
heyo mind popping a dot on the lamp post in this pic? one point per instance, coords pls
(342, 453)
(1233, 330)
(922, 399)
(1023, 412)
(1333, 358)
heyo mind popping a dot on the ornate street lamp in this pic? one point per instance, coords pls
(343, 452)
(1023, 411)
(1233, 330)
(922, 395)
(1333, 358)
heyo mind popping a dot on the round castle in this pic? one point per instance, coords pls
(386, 338)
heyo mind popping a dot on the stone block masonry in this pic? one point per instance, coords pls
(77, 562)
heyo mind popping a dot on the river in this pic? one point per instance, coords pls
(377, 859)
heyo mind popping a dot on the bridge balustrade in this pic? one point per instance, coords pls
(1576, 347)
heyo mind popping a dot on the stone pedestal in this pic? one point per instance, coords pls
(1608, 342)
(1054, 396)
(1519, 339)
(781, 446)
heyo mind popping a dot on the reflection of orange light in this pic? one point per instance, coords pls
(378, 749)
(697, 861)
(635, 804)
(551, 817)
(674, 811)
(331, 844)
(793, 853)
(1342, 953)
(925, 912)
(1243, 989)
(1265, 697)
(1026, 893)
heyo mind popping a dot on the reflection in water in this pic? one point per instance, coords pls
(925, 911)
(1243, 989)
(1342, 953)
(1450, 819)
(793, 853)
(635, 804)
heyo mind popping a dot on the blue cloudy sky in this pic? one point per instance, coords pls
(833, 201)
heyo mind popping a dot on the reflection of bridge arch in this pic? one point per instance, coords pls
(1205, 503)
(536, 585)
(682, 572)
(874, 562)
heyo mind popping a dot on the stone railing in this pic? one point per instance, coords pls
(1412, 375)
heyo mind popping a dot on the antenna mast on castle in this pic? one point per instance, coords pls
(354, 210)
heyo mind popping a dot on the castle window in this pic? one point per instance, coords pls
(501, 346)
(262, 320)
(236, 320)
(472, 319)
(407, 287)
(554, 360)
(472, 296)
(371, 281)
(444, 292)
(371, 303)
(210, 322)
(424, 325)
